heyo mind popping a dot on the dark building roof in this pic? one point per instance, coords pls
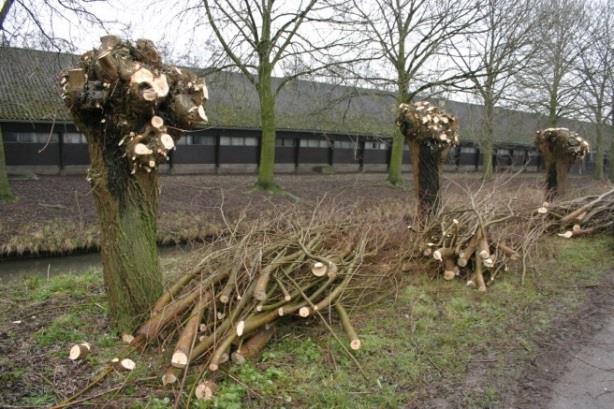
(29, 92)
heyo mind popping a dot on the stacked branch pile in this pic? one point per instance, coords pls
(430, 133)
(560, 149)
(481, 241)
(226, 308)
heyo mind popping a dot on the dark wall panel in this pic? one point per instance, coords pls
(238, 154)
(194, 154)
(75, 154)
(345, 156)
(313, 155)
(27, 154)
(375, 156)
(284, 154)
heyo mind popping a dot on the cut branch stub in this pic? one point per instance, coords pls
(118, 75)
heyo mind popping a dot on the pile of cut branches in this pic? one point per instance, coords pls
(480, 241)
(582, 216)
(225, 308)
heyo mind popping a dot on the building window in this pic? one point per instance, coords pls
(380, 146)
(250, 141)
(29, 137)
(185, 140)
(467, 149)
(344, 145)
(285, 142)
(74, 137)
(203, 140)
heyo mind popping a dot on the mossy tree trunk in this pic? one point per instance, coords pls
(487, 136)
(267, 123)
(395, 166)
(5, 188)
(127, 208)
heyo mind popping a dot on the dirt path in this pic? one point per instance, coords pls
(575, 364)
(589, 378)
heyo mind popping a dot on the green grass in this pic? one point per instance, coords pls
(420, 344)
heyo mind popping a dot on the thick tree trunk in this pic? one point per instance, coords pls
(395, 168)
(426, 170)
(5, 188)
(598, 173)
(127, 206)
(125, 101)
(556, 178)
(267, 123)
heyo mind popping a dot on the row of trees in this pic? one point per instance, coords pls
(554, 57)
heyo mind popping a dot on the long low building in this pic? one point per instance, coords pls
(320, 126)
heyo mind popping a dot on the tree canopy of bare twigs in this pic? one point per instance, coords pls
(408, 39)
(549, 84)
(492, 57)
(266, 38)
(596, 71)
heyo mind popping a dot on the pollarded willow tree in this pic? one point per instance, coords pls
(492, 58)
(265, 37)
(131, 108)
(407, 38)
(430, 133)
(560, 148)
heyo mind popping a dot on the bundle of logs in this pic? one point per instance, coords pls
(560, 149)
(226, 308)
(480, 242)
(430, 132)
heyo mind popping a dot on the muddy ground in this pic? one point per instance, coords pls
(56, 214)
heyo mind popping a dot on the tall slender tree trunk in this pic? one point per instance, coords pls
(487, 134)
(5, 188)
(127, 207)
(599, 151)
(395, 168)
(267, 123)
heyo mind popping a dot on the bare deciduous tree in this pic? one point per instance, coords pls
(596, 70)
(265, 38)
(492, 57)
(407, 39)
(549, 84)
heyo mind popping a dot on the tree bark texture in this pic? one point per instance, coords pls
(395, 168)
(430, 133)
(5, 188)
(267, 122)
(132, 109)
(487, 140)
